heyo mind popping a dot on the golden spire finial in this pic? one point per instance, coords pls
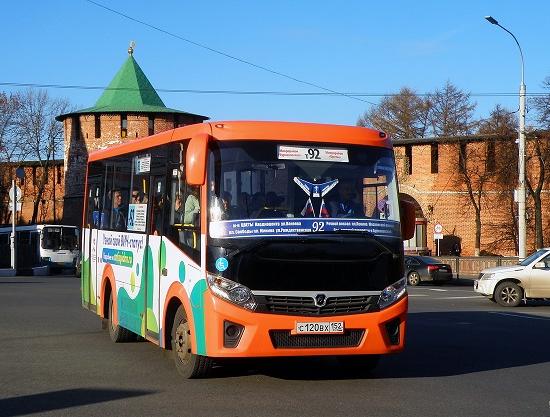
(131, 48)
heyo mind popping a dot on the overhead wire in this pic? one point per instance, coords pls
(224, 54)
(244, 92)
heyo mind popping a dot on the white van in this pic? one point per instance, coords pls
(41, 245)
(509, 285)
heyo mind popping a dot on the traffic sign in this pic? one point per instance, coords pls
(438, 228)
(19, 193)
(438, 236)
(10, 207)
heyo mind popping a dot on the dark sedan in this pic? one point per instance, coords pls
(424, 268)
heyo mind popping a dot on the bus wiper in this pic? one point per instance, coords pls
(360, 233)
(246, 248)
(265, 242)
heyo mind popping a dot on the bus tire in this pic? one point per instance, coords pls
(117, 333)
(187, 363)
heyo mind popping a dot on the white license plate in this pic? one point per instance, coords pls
(319, 327)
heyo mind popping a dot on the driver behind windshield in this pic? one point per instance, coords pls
(346, 205)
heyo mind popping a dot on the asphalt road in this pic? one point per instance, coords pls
(465, 356)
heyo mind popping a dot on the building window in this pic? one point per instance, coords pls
(123, 126)
(59, 174)
(33, 175)
(462, 157)
(97, 125)
(491, 164)
(151, 125)
(408, 160)
(76, 127)
(435, 158)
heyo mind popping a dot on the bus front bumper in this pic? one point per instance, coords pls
(262, 335)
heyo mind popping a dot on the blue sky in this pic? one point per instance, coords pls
(349, 46)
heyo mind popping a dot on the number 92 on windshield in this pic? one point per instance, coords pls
(316, 327)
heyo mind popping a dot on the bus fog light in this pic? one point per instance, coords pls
(232, 334)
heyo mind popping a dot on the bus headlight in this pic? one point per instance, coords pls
(392, 293)
(231, 291)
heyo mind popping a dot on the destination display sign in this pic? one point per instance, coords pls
(294, 226)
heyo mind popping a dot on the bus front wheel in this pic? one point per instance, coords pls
(188, 364)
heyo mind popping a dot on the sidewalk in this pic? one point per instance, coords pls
(463, 280)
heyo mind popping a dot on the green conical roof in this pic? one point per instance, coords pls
(129, 92)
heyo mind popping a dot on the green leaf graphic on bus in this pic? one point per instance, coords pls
(118, 257)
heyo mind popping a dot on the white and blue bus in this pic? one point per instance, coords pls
(42, 245)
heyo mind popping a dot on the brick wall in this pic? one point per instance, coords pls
(443, 198)
(52, 195)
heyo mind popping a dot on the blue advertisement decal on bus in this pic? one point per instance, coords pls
(117, 257)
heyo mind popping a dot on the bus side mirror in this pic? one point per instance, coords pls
(408, 217)
(195, 160)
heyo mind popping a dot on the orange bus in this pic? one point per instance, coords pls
(249, 239)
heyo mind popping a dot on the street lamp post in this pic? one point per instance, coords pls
(522, 230)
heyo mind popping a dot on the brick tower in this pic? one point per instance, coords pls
(129, 108)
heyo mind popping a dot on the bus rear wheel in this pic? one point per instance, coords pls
(117, 333)
(187, 363)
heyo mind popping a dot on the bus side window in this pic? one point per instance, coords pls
(106, 201)
(184, 217)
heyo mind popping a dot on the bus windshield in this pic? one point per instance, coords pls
(284, 189)
(59, 238)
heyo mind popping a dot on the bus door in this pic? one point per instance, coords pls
(159, 202)
(89, 255)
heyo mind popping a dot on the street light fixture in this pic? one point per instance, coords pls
(522, 230)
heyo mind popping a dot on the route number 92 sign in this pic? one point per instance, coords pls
(309, 153)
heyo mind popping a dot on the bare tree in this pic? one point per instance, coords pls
(538, 158)
(451, 111)
(502, 160)
(10, 151)
(403, 115)
(39, 134)
(452, 115)
(10, 146)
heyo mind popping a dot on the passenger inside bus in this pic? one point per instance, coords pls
(158, 206)
(227, 210)
(192, 207)
(118, 219)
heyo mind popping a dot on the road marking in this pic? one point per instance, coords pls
(521, 316)
(459, 298)
(418, 295)
(437, 289)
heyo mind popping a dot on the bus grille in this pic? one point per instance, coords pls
(282, 339)
(306, 305)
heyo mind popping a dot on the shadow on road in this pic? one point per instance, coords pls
(437, 344)
(57, 400)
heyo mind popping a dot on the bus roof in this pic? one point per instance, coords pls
(254, 130)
